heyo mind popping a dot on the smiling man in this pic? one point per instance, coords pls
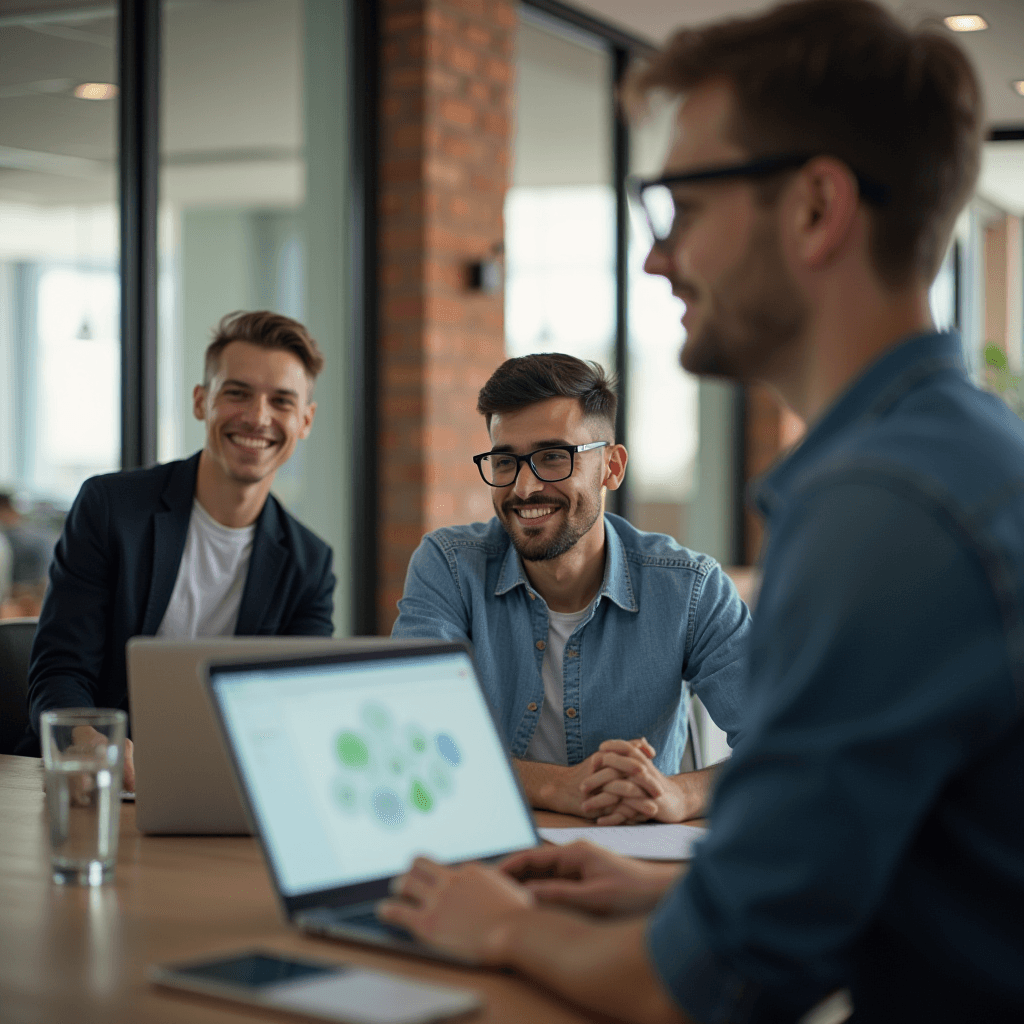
(194, 548)
(866, 839)
(590, 635)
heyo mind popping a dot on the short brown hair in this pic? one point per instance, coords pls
(844, 78)
(525, 380)
(267, 330)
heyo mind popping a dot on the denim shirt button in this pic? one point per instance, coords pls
(541, 645)
(533, 597)
(571, 712)
(532, 706)
(572, 654)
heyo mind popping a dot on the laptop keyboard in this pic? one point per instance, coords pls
(325, 918)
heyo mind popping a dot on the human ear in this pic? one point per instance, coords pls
(824, 211)
(616, 468)
(199, 402)
(307, 424)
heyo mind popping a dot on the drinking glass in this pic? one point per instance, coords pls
(83, 754)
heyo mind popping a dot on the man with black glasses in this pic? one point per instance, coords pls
(866, 841)
(589, 634)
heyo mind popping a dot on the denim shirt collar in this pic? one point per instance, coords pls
(871, 394)
(617, 584)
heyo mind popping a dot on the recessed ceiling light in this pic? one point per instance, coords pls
(96, 91)
(966, 23)
(1018, 86)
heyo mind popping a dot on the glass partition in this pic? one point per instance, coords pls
(59, 280)
(560, 208)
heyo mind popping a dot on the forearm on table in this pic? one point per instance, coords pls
(697, 788)
(598, 965)
(546, 786)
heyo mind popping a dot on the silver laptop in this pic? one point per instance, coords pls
(183, 782)
(351, 764)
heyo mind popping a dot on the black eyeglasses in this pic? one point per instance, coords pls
(659, 205)
(549, 465)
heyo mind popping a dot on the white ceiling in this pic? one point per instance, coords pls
(232, 94)
(998, 53)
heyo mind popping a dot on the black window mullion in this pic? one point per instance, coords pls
(620, 169)
(139, 166)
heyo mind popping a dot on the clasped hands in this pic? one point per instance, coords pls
(621, 786)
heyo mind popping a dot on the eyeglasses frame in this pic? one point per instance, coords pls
(572, 449)
(870, 189)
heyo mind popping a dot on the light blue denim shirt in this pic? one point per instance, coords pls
(666, 621)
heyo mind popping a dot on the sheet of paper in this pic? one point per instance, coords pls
(648, 841)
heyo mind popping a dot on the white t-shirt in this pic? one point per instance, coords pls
(208, 590)
(548, 741)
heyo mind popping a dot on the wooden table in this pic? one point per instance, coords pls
(77, 955)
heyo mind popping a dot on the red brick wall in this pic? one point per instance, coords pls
(446, 108)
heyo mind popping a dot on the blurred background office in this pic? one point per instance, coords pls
(431, 186)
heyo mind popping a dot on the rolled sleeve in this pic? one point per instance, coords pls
(877, 670)
(716, 662)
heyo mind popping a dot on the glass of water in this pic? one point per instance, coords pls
(83, 754)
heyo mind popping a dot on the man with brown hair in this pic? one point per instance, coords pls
(192, 548)
(589, 634)
(866, 838)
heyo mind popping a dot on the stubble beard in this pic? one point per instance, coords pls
(575, 526)
(756, 316)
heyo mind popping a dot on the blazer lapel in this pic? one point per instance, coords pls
(266, 563)
(170, 530)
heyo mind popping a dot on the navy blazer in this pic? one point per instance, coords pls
(114, 570)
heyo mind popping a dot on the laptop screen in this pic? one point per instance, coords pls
(355, 765)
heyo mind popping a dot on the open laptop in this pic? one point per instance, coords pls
(352, 763)
(183, 782)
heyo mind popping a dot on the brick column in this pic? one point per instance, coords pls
(446, 109)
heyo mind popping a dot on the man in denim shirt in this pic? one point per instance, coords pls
(867, 836)
(589, 634)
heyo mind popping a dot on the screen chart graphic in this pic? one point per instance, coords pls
(392, 771)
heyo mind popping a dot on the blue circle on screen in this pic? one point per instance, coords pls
(448, 749)
(388, 807)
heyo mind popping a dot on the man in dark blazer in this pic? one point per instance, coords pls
(192, 548)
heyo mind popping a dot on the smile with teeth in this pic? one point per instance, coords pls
(254, 443)
(535, 513)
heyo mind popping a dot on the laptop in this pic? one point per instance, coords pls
(183, 782)
(352, 763)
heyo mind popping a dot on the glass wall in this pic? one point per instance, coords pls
(254, 215)
(560, 208)
(663, 407)
(59, 282)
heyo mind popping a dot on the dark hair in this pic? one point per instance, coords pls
(267, 330)
(844, 78)
(525, 380)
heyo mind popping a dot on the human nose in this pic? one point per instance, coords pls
(526, 483)
(259, 410)
(658, 262)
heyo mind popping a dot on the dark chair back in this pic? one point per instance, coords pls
(16, 637)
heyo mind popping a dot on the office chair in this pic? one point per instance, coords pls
(16, 637)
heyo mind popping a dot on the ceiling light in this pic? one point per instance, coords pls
(966, 23)
(96, 91)
(1018, 86)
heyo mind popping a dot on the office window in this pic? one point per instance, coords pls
(560, 208)
(255, 206)
(232, 189)
(59, 281)
(663, 406)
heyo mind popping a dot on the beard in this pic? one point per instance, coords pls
(755, 315)
(579, 517)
